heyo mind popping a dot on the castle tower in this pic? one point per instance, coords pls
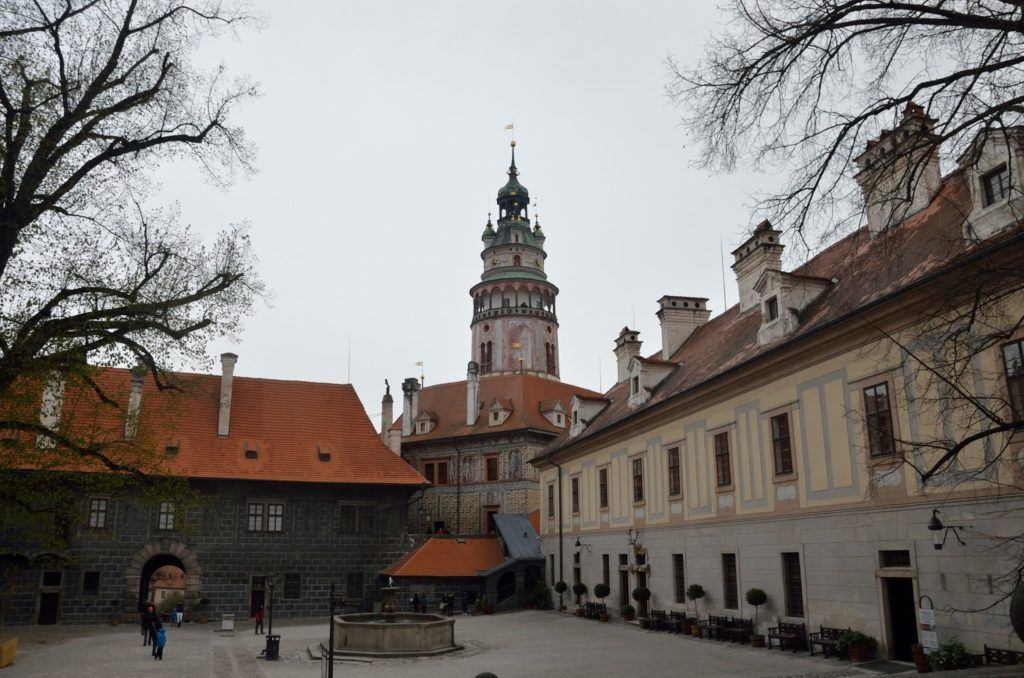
(514, 328)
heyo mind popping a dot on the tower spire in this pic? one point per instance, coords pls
(512, 171)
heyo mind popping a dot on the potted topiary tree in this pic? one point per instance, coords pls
(580, 589)
(859, 646)
(642, 594)
(602, 590)
(628, 612)
(757, 598)
(695, 592)
(560, 588)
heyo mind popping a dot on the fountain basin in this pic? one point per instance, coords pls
(393, 635)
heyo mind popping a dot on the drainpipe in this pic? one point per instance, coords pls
(561, 540)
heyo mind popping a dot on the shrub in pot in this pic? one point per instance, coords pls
(580, 589)
(560, 588)
(951, 655)
(641, 594)
(628, 612)
(602, 590)
(859, 646)
(757, 598)
(695, 592)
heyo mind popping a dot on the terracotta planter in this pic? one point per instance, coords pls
(861, 653)
(684, 628)
(695, 630)
(604, 616)
(920, 659)
(756, 640)
(8, 648)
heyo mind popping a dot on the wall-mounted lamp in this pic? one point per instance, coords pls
(940, 532)
(580, 545)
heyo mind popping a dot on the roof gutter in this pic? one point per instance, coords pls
(549, 456)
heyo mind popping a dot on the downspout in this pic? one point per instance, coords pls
(561, 540)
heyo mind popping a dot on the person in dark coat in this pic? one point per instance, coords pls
(150, 620)
(161, 640)
(157, 631)
(258, 630)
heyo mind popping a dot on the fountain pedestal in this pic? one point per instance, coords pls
(393, 634)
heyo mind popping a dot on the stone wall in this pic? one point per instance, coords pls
(220, 554)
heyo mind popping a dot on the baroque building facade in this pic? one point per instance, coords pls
(473, 439)
(292, 490)
(786, 443)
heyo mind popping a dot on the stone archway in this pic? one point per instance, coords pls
(153, 554)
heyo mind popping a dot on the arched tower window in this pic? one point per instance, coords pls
(486, 361)
(517, 260)
(550, 354)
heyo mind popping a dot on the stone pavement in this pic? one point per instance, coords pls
(517, 644)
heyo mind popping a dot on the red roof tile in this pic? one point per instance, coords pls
(285, 422)
(523, 394)
(449, 557)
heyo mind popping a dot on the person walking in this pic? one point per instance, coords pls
(180, 612)
(158, 631)
(152, 622)
(258, 630)
(161, 640)
(144, 625)
(416, 603)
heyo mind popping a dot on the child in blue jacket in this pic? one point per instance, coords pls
(161, 640)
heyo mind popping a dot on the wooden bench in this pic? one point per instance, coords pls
(994, 655)
(737, 630)
(713, 626)
(826, 639)
(788, 636)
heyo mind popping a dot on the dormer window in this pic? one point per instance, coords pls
(423, 427)
(634, 385)
(495, 416)
(996, 185)
(558, 419)
(575, 417)
(771, 309)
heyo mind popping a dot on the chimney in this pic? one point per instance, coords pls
(227, 375)
(761, 252)
(131, 424)
(410, 404)
(49, 413)
(387, 412)
(679, 317)
(472, 393)
(627, 345)
(899, 172)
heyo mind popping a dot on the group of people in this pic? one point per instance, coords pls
(447, 600)
(153, 632)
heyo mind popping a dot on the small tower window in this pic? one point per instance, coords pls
(996, 185)
(517, 260)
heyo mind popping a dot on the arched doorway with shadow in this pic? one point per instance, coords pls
(162, 581)
(162, 572)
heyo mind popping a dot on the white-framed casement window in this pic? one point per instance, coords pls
(995, 185)
(165, 520)
(97, 513)
(254, 517)
(275, 517)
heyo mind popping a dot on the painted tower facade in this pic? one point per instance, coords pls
(514, 328)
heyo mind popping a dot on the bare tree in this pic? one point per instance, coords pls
(803, 85)
(93, 95)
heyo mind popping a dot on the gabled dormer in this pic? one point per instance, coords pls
(644, 376)
(992, 167)
(424, 422)
(783, 297)
(554, 412)
(583, 411)
(499, 411)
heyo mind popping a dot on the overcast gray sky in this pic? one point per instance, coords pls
(381, 149)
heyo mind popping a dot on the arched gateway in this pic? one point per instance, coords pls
(148, 560)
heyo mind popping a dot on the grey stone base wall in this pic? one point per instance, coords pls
(841, 568)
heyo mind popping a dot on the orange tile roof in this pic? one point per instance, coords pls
(534, 517)
(449, 557)
(283, 421)
(866, 270)
(523, 394)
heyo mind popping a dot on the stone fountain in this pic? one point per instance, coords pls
(391, 633)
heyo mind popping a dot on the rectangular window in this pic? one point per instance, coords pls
(347, 518)
(723, 470)
(492, 469)
(354, 585)
(255, 518)
(90, 583)
(292, 585)
(275, 517)
(730, 584)
(793, 585)
(606, 569)
(367, 517)
(638, 480)
(551, 563)
(602, 487)
(166, 519)
(436, 472)
(771, 308)
(52, 578)
(878, 417)
(623, 560)
(98, 513)
(679, 577)
(674, 485)
(781, 446)
(1013, 359)
(634, 385)
(996, 185)
(576, 494)
(894, 558)
(551, 501)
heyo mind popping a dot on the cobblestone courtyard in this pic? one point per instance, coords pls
(509, 645)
